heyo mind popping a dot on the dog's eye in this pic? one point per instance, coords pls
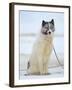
(51, 26)
(47, 28)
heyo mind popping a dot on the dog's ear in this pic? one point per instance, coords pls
(52, 21)
(43, 23)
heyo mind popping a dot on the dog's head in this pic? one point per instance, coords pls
(48, 28)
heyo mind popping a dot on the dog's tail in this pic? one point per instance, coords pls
(28, 65)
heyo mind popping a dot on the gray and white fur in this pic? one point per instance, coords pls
(38, 61)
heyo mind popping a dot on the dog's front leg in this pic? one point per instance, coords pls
(41, 67)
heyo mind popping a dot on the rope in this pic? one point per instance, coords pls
(57, 58)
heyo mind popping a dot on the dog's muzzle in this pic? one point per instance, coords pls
(46, 33)
(49, 32)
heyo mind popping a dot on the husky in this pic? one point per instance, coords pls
(38, 61)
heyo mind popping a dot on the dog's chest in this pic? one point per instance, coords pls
(44, 47)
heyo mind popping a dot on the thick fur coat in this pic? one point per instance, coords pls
(38, 62)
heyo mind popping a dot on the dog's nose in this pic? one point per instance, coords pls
(49, 32)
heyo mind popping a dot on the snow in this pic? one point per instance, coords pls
(52, 73)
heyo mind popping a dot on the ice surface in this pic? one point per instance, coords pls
(52, 73)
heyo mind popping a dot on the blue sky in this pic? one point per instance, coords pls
(30, 22)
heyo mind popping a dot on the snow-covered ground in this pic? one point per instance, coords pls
(53, 73)
(54, 68)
